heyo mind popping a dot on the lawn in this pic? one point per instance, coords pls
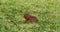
(12, 15)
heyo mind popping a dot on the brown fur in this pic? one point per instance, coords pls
(30, 18)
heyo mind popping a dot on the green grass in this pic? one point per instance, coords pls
(12, 12)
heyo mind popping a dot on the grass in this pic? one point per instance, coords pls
(12, 12)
